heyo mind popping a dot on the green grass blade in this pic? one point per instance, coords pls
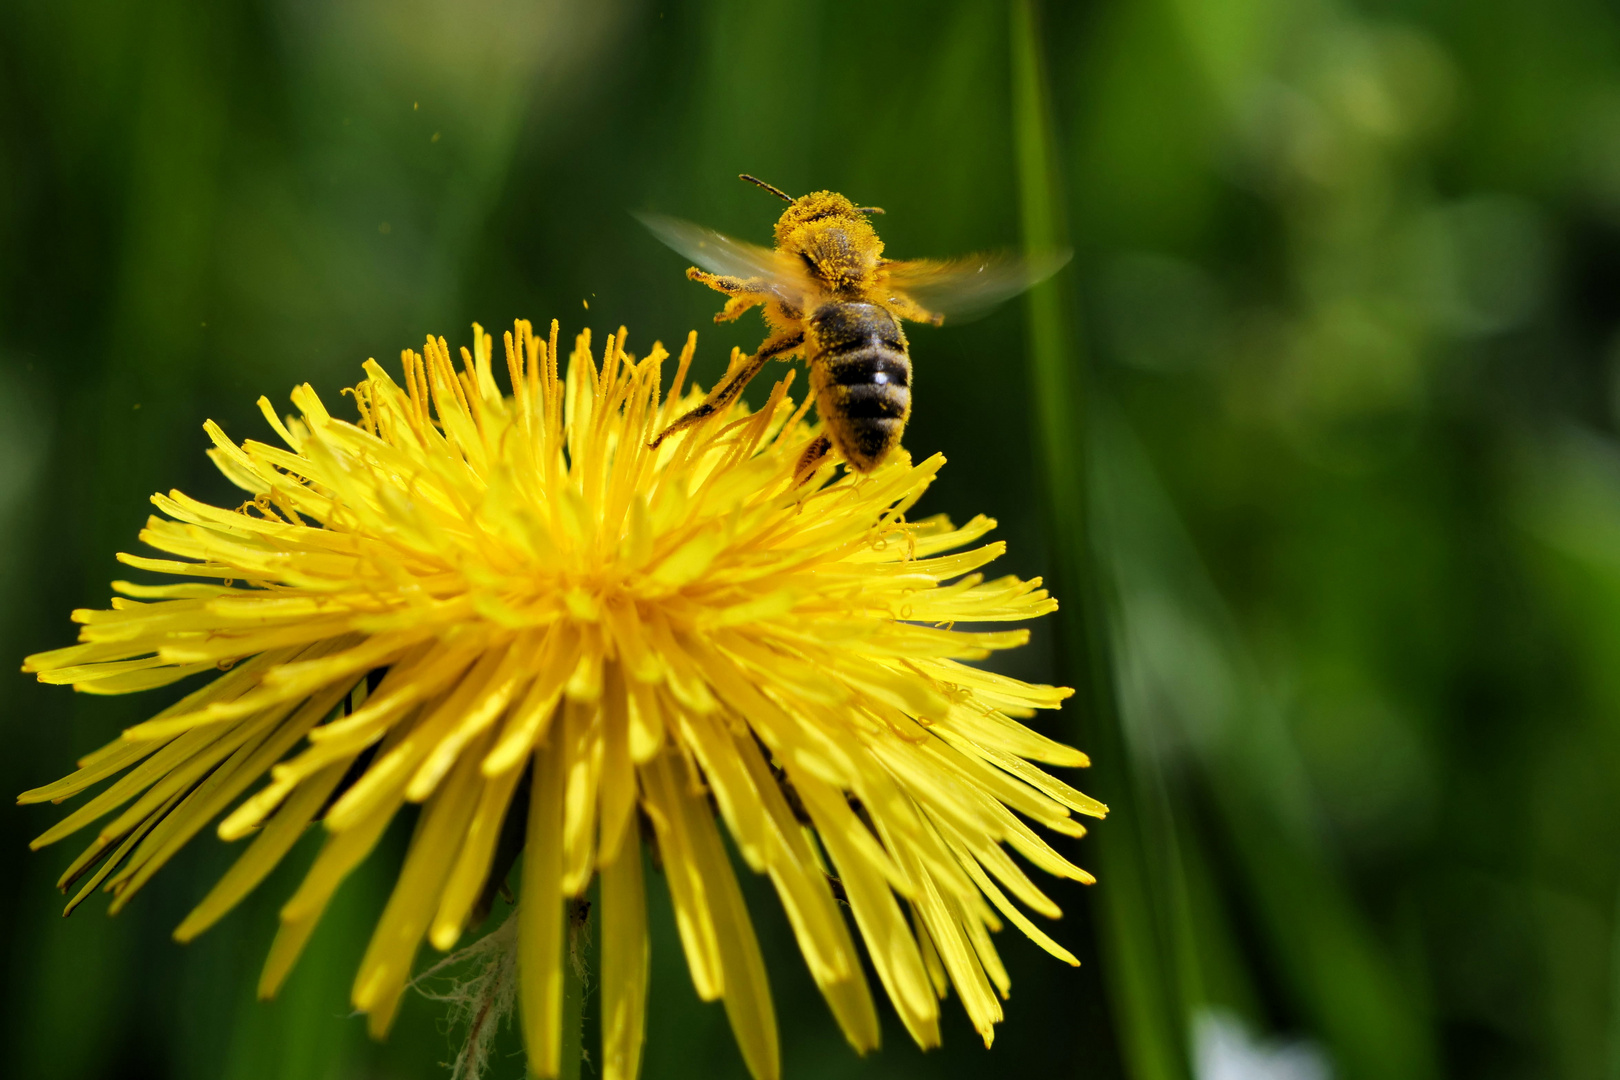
(1136, 943)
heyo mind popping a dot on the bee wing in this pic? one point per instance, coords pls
(972, 285)
(721, 254)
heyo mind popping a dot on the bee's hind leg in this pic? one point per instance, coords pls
(809, 461)
(727, 392)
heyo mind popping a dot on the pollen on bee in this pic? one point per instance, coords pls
(831, 298)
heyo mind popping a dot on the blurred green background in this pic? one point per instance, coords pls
(1317, 437)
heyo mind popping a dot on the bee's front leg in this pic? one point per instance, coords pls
(744, 294)
(736, 307)
(907, 308)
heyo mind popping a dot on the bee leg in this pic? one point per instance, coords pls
(737, 307)
(744, 294)
(730, 390)
(911, 311)
(719, 399)
(731, 286)
(811, 459)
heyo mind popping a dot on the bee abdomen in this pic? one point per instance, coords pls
(873, 383)
(862, 377)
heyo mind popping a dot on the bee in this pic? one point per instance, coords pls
(830, 297)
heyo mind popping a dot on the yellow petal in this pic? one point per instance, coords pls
(625, 964)
(540, 915)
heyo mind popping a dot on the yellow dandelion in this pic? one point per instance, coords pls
(464, 596)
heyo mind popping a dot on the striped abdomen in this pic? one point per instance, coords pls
(861, 374)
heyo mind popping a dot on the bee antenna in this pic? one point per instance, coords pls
(757, 182)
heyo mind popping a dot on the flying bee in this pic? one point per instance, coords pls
(830, 297)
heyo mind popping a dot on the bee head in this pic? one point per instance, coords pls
(821, 210)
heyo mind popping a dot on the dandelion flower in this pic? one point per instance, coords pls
(501, 606)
